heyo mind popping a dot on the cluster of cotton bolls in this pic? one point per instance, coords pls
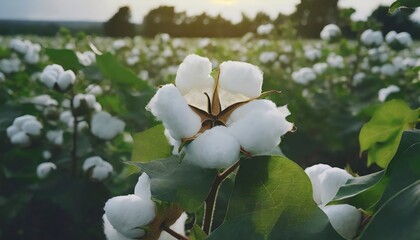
(326, 181)
(55, 77)
(330, 33)
(23, 129)
(127, 217)
(254, 127)
(10, 65)
(105, 126)
(97, 168)
(27, 48)
(304, 76)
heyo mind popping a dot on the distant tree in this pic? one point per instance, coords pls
(159, 20)
(119, 25)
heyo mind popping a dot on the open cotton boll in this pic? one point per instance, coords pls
(2, 77)
(66, 79)
(241, 77)
(89, 99)
(105, 126)
(32, 127)
(171, 108)
(100, 168)
(330, 32)
(313, 173)
(20, 138)
(55, 136)
(385, 92)
(344, 218)
(94, 89)
(44, 169)
(194, 72)
(19, 121)
(258, 132)
(44, 100)
(312, 54)
(388, 70)
(178, 227)
(111, 233)
(330, 181)
(128, 214)
(215, 148)
(265, 29)
(266, 57)
(335, 61)
(304, 75)
(371, 38)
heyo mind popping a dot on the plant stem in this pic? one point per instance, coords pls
(356, 63)
(74, 139)
(211, 198)
(173, 233)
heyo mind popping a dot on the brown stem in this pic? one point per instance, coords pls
(173, 233)
(211, 198)
(74, 139)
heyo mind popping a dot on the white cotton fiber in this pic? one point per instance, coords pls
(344, 218)
(106, 127)
(53, 75)
(330, 32)
(44, 169)
(259, 131)
(330, 181)
(32, 127)
(241, 77)
(194, 72)
(66, 79)
(171, 108)
(256, 105)
(142, 188)
(313, 173)
(178, 227)
(111, 233)
(215, 148)
(19, 121)
(20, 138)
(128, 214)
(372, 38)
(385, 92)
(100, 168)
(22, 129)
(304, 75)
(55, 136)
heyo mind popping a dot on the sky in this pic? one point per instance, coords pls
(102, 10)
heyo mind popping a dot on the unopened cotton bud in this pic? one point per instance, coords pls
(215, 148)
(172, 109)
(44, 169)
(241, 77)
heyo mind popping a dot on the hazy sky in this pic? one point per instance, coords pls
(101, 10)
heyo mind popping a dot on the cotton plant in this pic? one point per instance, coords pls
(326, 181)
(222, 117)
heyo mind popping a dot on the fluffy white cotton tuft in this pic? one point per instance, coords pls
(259, 125)
(398, 41)
(312, 54)
(88, 99)
(372, 38)
(385, 92)
(194, 73)
(100, 168)
(172, 109)
(178, 226)
(388, 70)
(110, 232)
(54, 75)
(22, 129)
(215, 148)
(268, 57)
(320, 68)
(241, 77)
(330, 32)
(304, 75)
(265, 29)
(105, 126)
(344, 218)
(330, 181)
(313, 173)
(55, 136)
(142, 188)
(44, 169)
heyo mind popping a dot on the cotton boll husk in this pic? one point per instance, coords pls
(142, 188)
(258, 132)
(331, 180)
(44, 169)
(66, 79)
(20, 138)
(344, 218)
(178, 227)
(313, 173)
(127, 214)
(111, 233)
(215, 148)
(194, 72)
(241, 77)
(32, 127)
(171, 108)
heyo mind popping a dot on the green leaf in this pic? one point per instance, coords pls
(151, 145)
(358, 185)
(197, 233)
(111, 68)
(182, 183)
(382, 134)
(398, 218)
(65, 57)
(272, 199)
(403, 4)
